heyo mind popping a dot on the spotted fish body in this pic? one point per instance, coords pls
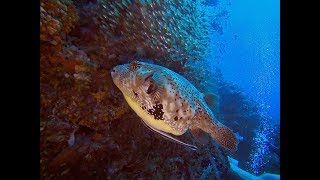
(167, 102)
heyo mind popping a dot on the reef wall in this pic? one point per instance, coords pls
(87, 130)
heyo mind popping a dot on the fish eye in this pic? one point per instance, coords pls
(150, 89)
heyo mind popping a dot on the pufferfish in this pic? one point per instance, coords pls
(168, 103)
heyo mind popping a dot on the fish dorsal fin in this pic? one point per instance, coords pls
(201, 136)
(167, 136)
(211, 99)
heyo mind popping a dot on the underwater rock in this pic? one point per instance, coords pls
(57, 17)
(111, 142)
(87, 129)
(124, 148)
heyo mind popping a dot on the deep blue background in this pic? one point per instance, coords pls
(250, 51)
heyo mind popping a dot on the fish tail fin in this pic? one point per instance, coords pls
(220, 133)
(225, 137)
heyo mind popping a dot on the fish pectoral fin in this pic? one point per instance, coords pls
(211, 99)
(200, 135)
(167, 136)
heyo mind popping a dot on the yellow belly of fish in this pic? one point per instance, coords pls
(149, 119)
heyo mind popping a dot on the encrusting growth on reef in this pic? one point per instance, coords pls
(87, 130)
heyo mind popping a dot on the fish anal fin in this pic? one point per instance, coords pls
(199, 135)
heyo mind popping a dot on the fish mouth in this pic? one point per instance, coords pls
(112, 72)
(115, 72)
(114, 76)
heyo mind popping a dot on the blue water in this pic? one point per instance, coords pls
(248, 55)
(249, 51)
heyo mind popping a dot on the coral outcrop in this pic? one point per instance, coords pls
(87, 130)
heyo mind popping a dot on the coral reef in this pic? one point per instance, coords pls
(87, 129)
(124, 148)
(57, 18)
